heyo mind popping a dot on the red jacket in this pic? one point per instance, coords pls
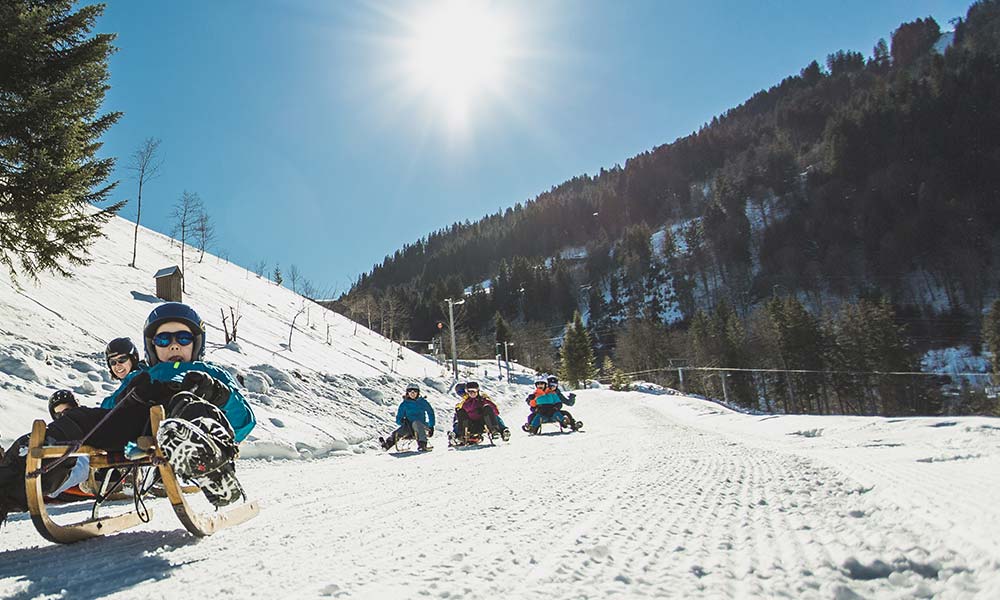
(474, 407)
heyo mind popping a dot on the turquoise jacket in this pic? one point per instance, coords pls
(237, 409)
(418, 409)
(555, 397)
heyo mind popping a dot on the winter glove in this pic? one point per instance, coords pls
(206, 387)
(146, 391)
(430, 432)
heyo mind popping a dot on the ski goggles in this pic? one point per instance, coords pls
(121, 360)
(165, 338)
(412, 389)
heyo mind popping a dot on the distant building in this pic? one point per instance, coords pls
(169, 283)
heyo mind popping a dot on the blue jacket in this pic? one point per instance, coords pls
(415, 410)
(555, 397)
(236, 408)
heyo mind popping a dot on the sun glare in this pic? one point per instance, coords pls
(456, 55)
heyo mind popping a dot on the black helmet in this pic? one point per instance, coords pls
(552, 380)
(61, 397)
(413, 387)
(472, 385)
(174, 312)
(122, 345)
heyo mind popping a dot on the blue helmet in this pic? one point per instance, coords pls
(168, 313)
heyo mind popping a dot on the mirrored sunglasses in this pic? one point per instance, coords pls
(165, 338)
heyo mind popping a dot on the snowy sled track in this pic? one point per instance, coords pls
(641, 505)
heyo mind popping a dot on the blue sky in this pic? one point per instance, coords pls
(314, 140)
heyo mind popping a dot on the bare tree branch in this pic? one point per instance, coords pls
(145, 163)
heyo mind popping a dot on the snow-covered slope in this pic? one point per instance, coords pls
(661, 497)
(311, 399)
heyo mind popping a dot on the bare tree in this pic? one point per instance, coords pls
(185, 216)
(294, 276)
(233, 320)
(394, 315)
(260, 268)
(308, 290)
(291, 330)
(145, 163)
(204, 232)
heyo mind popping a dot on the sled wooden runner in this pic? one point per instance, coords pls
(67, 534)
(199, 524)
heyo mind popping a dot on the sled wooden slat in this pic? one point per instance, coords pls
(99, 459)
(199, 524)
(50, 530)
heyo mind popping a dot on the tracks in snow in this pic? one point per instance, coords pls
(639, 506)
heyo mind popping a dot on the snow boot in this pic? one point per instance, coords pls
(505, 435)
(423, 447)
(386, 443)
(199, 445)
(526, 428)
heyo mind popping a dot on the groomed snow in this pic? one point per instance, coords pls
(661, 496)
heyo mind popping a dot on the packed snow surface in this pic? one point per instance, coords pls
(661, 495)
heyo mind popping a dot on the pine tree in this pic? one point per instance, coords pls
(53, 76)
(277, 275)
(620, 382)
(577, 354)
(991, 335)
(501, 329)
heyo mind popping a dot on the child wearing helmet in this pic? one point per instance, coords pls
(122, 357)
(415, 418)
(541, 388)
(475, 413)
(207, 415)
(550, 405)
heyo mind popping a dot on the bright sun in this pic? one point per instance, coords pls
(456, 55)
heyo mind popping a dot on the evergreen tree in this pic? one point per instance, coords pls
(501, 329)
(991, 335)
(620, 382)
(576, 355)
(277, 275)
(53, 76)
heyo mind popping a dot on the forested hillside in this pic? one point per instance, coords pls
(844, 219)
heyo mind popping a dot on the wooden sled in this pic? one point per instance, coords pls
(197, 524)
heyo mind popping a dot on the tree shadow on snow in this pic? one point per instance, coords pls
(93, 568)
